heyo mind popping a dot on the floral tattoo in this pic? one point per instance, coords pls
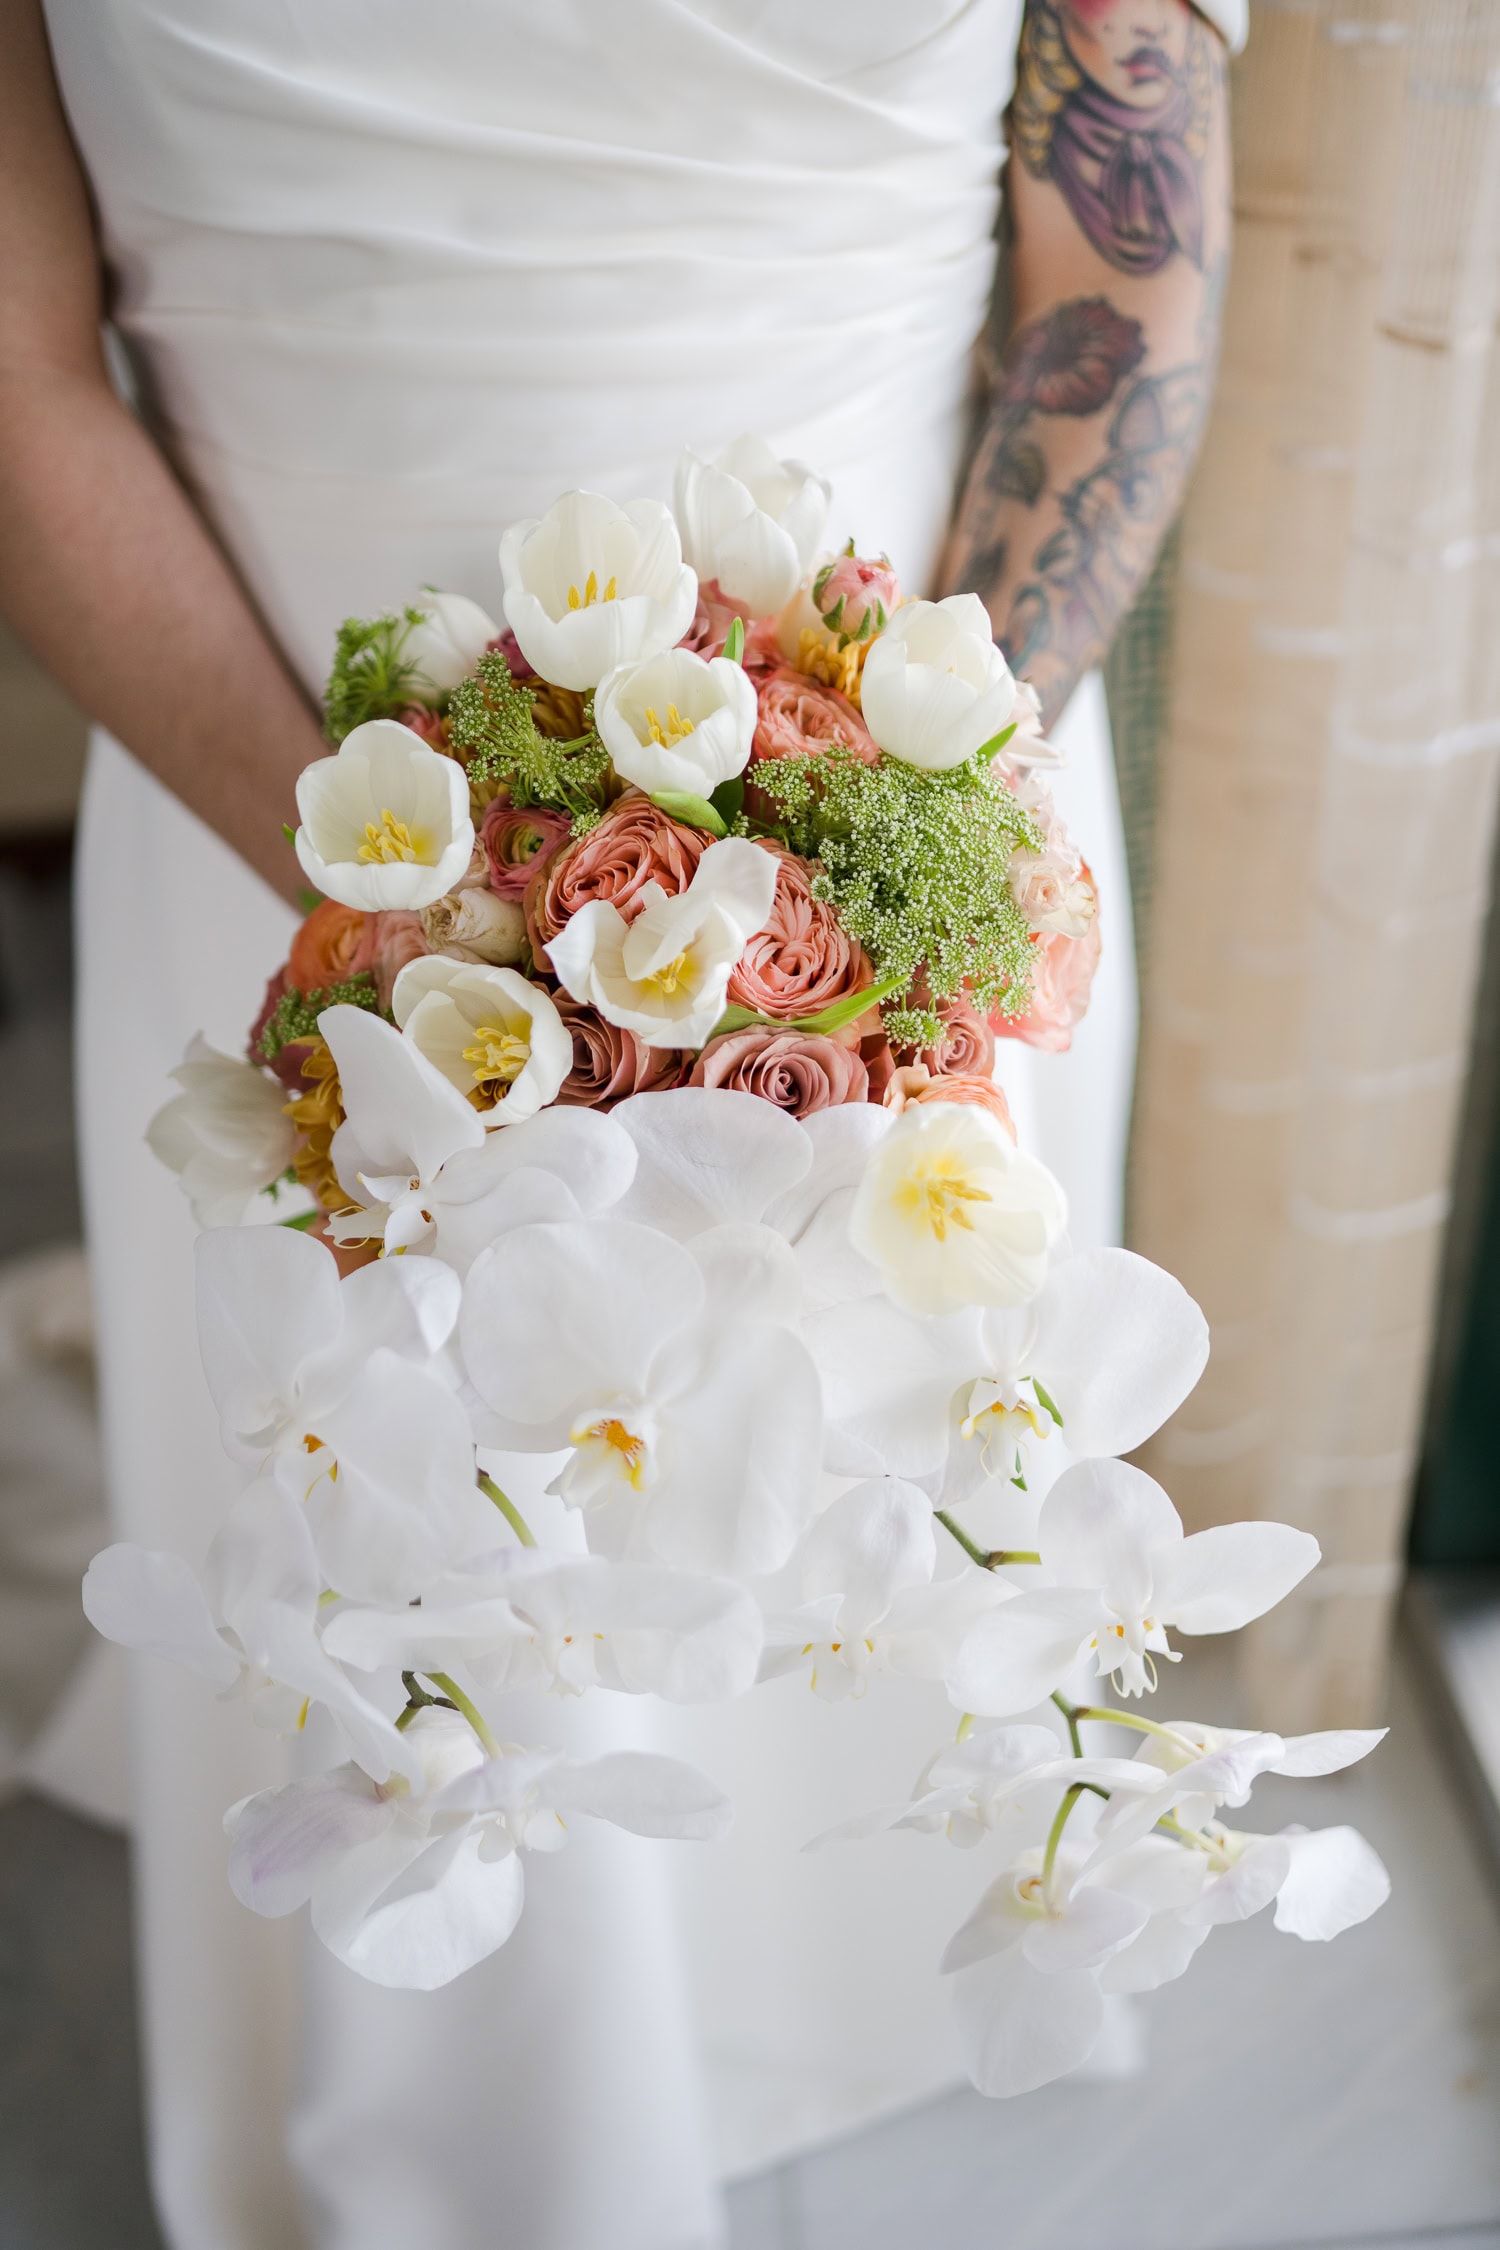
(1113, 104)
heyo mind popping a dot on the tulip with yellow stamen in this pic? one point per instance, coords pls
(385, 823)
(591, 585)
(492, 1033)
(706, 735)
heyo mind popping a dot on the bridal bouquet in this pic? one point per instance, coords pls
(632, 1083)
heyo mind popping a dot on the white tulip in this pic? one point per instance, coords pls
(750, 521)
(951, 1213)
(664, 976)
(493, 1034)
(591, 585)
(226, 1135)
(935, 687)
(674, 721)
(448, 640)
(385, 823)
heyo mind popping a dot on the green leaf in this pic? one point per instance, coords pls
(308, 898)
(839, 1012)
(289, 832)
(997, 742)
(834, 618)
(304, 1222)
(1046, 1401)
(734, 641)
(728, 800)
(738, 1019)
(694, 812)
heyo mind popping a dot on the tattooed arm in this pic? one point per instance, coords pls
(1119, 203)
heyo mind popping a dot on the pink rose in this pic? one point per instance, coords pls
(796, 1070)
(1060, 981)
(608, 1062)
(715, 613)
(505, 644)
(798, 718)
(634, 844)
(847, 591)
(915, 1083)
(763, 649)
(427, 724)
(966, 1048)
(399, 938)
(803, 959)
(513, 841)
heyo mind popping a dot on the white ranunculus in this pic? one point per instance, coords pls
(472, 924)
(449, 639)
(489, 1031)
(385, 823)
(935, 687)
(675, 722)
(750, 521)
(664, 976)
(591, 585)
(951, 1213)
(226, 1135)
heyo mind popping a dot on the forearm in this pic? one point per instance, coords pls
(1098, 404)
(108, 573)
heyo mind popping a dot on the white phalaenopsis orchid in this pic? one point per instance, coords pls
(385, 823)
(750, 521)
(951, 1213)
(935, 688)
(448, 639)
(664, 975)
(591, 585)
(677, 722)
(969, 1790)
(495, 1035)
(413, 1881)
(226, 1135)
(1117, 1574)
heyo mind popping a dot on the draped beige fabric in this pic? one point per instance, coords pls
(1327, 783)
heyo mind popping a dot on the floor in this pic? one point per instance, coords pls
(1346, 2098)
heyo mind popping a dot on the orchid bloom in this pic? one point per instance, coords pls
(226, 1135)
(385, 822)
(936, 688)
(448, 639)
(414, 1880)
(967, 1791)
(1117, 1573)
(677, 722)
(591, 585)
(495, 1035)
(664, 976)
(750, 521)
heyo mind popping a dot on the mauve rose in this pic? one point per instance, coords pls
(799, 718)
(794, 1070)
(334, 943)
(513, 841)
(608, 1062)
(843, 592)
(505, 644)
(1060, 982)
(634, 844)
(802, 960)
(715, 613)
(916, 1083)
(399, 938)
(966, 1048)
(427, 724)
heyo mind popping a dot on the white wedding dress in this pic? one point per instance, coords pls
(390, 277)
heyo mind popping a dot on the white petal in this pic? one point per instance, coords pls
(1119, 1344)
(151, 1600)
(1247, 1887)
(268, 1303)
(283, 1841)
(1094, 1924)
(741, 1477)
(708, 1157)
(865, 1547)
(1335, 1880)
(647, 1794)
(450, 1909)
(402, 1114)
(1022, 1652)
(1217, 1580)
(1107, 1524)
(1021, 2029)
(1307, 1755)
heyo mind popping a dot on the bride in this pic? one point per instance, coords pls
(378, 280)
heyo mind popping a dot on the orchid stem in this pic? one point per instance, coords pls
(467, 1709)
(988, 1558)
(1115, 1718)
(1070, 1799)
(1070, 1713)
(508, 1509)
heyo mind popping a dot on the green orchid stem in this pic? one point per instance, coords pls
(508, 1509)
(467, 1709)
(992, 1558)
(1070, 1713)
(1129, 1719)
(1070, 1799)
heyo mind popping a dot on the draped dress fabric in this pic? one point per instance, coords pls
(388, 278)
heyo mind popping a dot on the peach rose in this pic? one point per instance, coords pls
(513, 841)
(795, 1070)
(966, 1048)
(399, 938)
(634, 844)
(803, 959)
(798, 718)
(715, 613)
(916, 1083)
(1060, 983)
(608, 1062)
(334, 943)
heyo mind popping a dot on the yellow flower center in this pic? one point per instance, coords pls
(498, 1055)
(666, 979)
(1018, 1421)
(591, 593)
(676, 730)
(617, 1438)
(390, 840)
(839, 668)
(934, 1195)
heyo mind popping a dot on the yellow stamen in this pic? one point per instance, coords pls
(614, 1434)
(836, 667)
(498, 1056)
(667, 979)
(934, 1194)
(392, 840)
(591, 593)
(677, 728)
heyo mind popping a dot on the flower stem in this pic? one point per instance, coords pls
(1114, 1718)
(1070, 1799)
(467, 1709)
(992, 1558)
(965, 1727)
(1070, 1713)
(508, 1509)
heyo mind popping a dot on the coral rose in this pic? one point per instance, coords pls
(803, 959)
(334, 943)
(399, 938)
(966, 1049)
(916, 1083)
(795, 1070)
(609, 1062)
(514, 840)
(798, 719)
(634, 844)
(1060, 983)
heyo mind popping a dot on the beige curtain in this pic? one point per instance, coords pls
(1327, 782)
